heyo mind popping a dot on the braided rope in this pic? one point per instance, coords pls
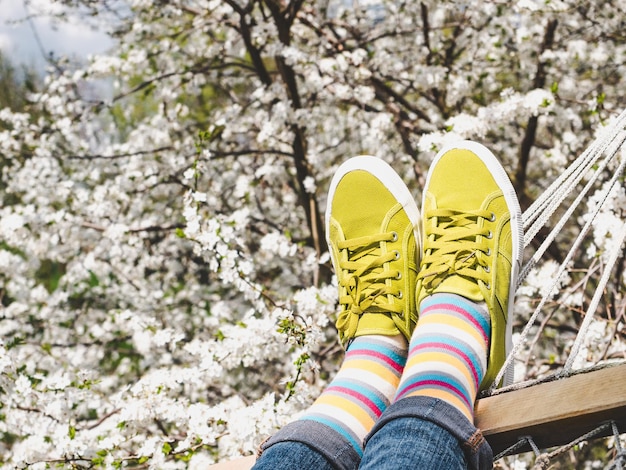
(545, 205)
(608, 143)
(620, 456)
(542, 459)
(598, 160)
(595, 301)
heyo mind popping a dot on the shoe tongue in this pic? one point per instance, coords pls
(355, 205)
(376, 325)
(459, 285)
(452, 174)
(356, 211)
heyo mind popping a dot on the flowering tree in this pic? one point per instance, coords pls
(167, 297)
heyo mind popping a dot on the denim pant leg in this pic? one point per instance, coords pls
(304, 445)
(425, 433)
(291, 455)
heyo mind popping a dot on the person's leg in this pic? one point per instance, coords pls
(372, 232)
(412, 442)
(473, 246)
(334, 427)
(363, 387)
(448, 352)
(292, 455)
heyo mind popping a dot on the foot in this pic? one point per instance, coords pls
(473, 239)
(372, 232)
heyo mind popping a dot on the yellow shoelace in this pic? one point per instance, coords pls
(457, 245)
(365, 271)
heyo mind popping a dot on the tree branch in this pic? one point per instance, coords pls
(308, 201)
(255, 54)
(531, 128)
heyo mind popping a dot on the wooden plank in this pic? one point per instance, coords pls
(244, 463)
(554, 413)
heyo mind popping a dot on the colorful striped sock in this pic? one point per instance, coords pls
(448, 352)
(363, 387)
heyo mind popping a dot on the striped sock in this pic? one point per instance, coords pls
(448, 352)
(363, 387)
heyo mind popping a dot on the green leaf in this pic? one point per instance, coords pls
(93, 279)
(72, 432)
(49, 274)
(167, 448)
(554, 88)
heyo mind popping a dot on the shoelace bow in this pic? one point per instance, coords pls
(366, 270)
(457, 245)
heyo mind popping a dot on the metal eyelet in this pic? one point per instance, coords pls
(394, 236)
(488, 285)
(399, 276)
(399, 296)
(492, 218)
(487, 269)
(488, 252)
(490, 234)
(397, 254)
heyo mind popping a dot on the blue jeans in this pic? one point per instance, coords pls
(413, 433)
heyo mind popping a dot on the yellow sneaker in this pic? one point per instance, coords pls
(473, 239)
(372, 230)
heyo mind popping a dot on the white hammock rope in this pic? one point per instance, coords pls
(607, 144)
(551, 207)
(542, 460)
(598, 161)
(595, 301)
(620, 452)
(550, 199)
